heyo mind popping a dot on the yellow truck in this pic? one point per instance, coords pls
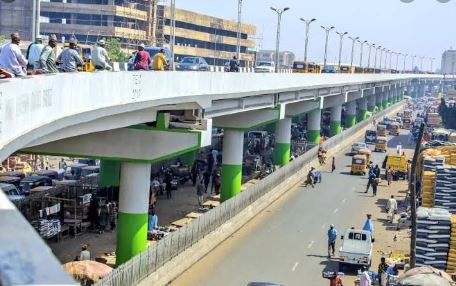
(381, 130)
(397, 163)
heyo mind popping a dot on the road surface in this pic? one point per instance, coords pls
(287, 242)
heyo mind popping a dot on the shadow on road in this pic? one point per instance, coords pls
(330, 265)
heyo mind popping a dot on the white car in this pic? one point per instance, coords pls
(356, 249)
(358, 146)
(265, 67)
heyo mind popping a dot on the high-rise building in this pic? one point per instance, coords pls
(132, 22)
(286, 58)
(449, 62)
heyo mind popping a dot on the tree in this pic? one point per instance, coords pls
(114, 51)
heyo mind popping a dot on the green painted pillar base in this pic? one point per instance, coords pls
(379, 107)
(350, 120)
(109, 174)
(335, 128)
(188, 158)
(385, 104)
(231, 181)
(131, 236)
(313, 136)
(371, 108)
(282, 153)
(362, 115)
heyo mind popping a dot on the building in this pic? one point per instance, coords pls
(286, 58)
(448, 62)
(132, 22)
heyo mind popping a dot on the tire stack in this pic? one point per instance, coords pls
(445, 188)
(433, 237)
(451, 262)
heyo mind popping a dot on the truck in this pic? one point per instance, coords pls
(398, 163)
(356, 249)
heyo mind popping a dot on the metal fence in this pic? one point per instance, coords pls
(146, 263)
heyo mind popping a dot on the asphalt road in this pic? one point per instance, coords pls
(287, 242)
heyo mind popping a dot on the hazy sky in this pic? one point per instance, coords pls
(424, 27)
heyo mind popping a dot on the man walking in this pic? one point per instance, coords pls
(100, 56)
(332, 236)
(11, 57)
(142, 59)
(70, 58)
(368, 226)
(48, 57)
(391, 208)
(389, 175)
(333, 165)
(382, 271)
(370, 180)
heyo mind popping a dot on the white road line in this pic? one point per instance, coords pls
(336, 210)
(310, 244)
(344, 200)
(295, 266)
(323, 226)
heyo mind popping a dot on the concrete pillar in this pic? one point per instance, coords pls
(233, 143)
(371, 102)
(379, 101)
(313, 126)
(133, 210)
(109, 174)
(188, 158)
(350, 114)
(362, 109)
(336, 118)
(282, 142)
(385, 100)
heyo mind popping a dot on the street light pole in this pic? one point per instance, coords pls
(397, 61)
(361, 53)
(353, 50)
(421, 63)
(413, 63)
(375, 61)
(279, 19)
(308, 22)
(381, 58)
(173, 32)
(391, 55)
(432, 61)
(341, 35)
(369, 59)
(238, 46)
(405, 59)
(327, 30)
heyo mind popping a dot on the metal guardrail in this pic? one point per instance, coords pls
(146, 263)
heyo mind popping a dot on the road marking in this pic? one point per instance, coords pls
(344, 200)
(295, 266)
(323, 226)
(310, 244)
(336, 210)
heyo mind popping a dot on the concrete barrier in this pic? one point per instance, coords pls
(186, 259)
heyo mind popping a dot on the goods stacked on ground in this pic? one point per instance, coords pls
(427, 189)
(451, 262)
(433, 237)
(445, 188)
(47, 228)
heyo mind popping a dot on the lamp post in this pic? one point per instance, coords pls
(238, 46)
(341, 35)
(391, 55)
(421, 63)
(369, 59)
(413, 64)
(353, 50)
(279, 20)
(397, 61)
(405, 59)
(432, 61)
(381, 58)
(327, 30)
(173, 32)
(361, 53)
(375, 61)
(308, 22)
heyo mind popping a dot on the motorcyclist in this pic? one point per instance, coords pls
(310, 178)
(321, 155)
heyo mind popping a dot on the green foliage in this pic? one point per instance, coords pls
(2, 39)
(114, 51)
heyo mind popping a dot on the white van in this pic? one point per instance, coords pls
(356, 249)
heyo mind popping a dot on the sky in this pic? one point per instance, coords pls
(422, 28)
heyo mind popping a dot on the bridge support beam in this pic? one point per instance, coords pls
(313, 126)
(282, 147)
(133, 210)
(233, 143)
(371, 103)
(379, 101)
(189, 157)
(109, 174)
(385, 96)
(350, 114)
(362, 109)
(336, 118)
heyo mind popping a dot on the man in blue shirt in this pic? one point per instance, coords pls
(153, 223)
(368, 226)
(332, 236)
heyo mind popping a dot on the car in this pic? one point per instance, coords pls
(358, 146)
(356, 249)
(265, 67)
(329, 69)
(193, 64)
(370, 136)
(12, 192)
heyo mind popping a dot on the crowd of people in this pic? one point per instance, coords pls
(45, 59)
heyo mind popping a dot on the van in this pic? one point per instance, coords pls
(399, 165)
(356, 249)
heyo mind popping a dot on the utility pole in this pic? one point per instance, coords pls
(361, 54)
(327, 30)
(353, 50)
(405, 60)
(279, 20)
(375, 61)
(308, 22)
(238, 47)
(369, 59)
(412, 190)
(432, 61)
(341, 35)
(397, 61)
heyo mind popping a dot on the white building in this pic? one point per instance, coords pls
(286, 58)
(449, 62)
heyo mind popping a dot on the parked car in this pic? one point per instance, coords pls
(265, 67)
(329, 69)
(356, 249)
(31, 182)
(12, 192)
(358, 146)
(193, 64)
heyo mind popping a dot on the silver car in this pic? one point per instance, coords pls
(193, 64)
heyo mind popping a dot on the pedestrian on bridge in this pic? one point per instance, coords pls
(11, 58)
(159, 61)
(70, 58)
(142, 59)
(100, 56)
(48, 57)
(332, 237)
